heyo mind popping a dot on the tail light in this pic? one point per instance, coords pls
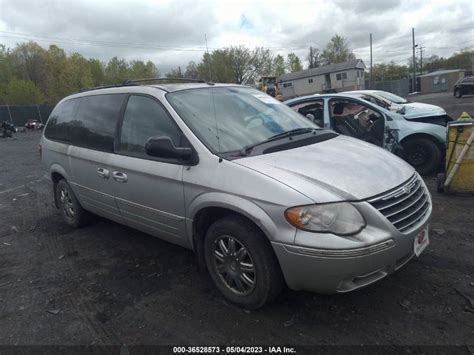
(40, 151)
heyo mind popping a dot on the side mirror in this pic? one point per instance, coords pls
(163, 147)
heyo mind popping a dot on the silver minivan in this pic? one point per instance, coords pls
(264, 197)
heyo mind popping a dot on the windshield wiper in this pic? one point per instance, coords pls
(294, 132)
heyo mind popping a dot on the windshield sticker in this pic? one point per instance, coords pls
(267, 99)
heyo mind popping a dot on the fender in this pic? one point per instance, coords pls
(231, 202)
(436, 132)
(56, 168)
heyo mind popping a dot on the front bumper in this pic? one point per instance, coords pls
(344, 270)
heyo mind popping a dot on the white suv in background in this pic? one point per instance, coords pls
(423, 143)
(412, 111)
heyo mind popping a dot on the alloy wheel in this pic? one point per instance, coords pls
(66, 203)
(234, 265)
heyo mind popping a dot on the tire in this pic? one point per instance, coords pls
(71, 210)
(423, 154)
(458, 93)
(260, 280)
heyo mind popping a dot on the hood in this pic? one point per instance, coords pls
(341, 168)
(418, 109)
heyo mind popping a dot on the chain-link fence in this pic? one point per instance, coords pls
(18, 115)
(401, 87)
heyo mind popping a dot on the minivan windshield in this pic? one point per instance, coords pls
(392, 97)
(228, 119)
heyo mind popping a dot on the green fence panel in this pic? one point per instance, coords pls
(45, 111)
(4, 115)
(20, 114)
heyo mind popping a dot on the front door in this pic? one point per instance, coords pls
(149, 192)
(327, 82)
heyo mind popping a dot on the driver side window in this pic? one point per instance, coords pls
(353, 118)
(144, 117)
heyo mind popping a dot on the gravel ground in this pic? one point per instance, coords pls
(454, 107)
(109, 284)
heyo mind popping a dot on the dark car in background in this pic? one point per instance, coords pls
(464, 86)
(7, 129)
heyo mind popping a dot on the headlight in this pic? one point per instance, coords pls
(339, 218)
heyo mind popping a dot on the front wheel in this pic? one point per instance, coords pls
(241, 262)
(423, 154)
(458, 93)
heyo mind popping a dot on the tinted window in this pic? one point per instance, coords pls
(144, 118)
(87, 122)
(94, 126)
(59, 122)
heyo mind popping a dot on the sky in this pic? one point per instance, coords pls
(172, 32)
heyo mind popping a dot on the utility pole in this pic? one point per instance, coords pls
(414, 60)
(371, 78)
(420, 48)
(208, 57)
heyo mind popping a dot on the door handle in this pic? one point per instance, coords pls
(103, 173)
(119, 176)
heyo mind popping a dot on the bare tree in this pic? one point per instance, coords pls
(191, 71)
(314, 57)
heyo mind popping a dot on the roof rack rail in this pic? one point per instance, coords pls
(128, 82)
(107, 86)
(135, 83)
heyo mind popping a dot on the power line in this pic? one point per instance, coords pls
(97, 42)
(139, 45)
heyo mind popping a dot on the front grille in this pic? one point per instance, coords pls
(406, 206)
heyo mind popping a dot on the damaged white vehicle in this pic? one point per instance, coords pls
(423, 143)
(412, 111)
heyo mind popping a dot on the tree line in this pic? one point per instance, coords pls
(392, 71)
(31, 74)
(241, 65)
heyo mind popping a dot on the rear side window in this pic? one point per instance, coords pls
(145, 118)
(60, 122)
(87, 122)
(94, 126)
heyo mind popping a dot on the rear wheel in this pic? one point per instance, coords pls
(73, 213)
(241, 262)
(423, 154)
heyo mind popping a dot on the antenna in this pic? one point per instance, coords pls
(209, 59)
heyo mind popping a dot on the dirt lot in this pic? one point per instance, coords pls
(108, 284)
